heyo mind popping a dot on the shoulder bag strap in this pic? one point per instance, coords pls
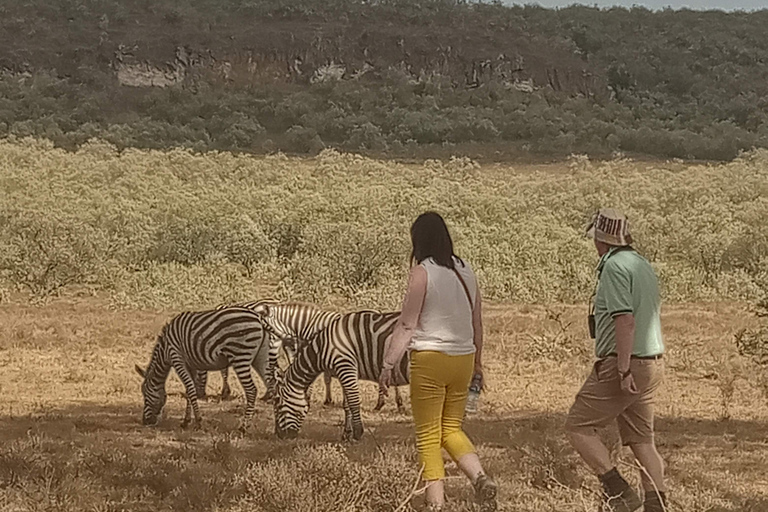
(466, 290)
(597, 283)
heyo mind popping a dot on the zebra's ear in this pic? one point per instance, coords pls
(140, 371)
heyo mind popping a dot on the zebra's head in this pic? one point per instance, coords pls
(154, 400)
(291, 407)
(271, 324)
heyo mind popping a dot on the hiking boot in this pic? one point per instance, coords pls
(625, 501)
(655, 502)
(485, 493)
(618, 495)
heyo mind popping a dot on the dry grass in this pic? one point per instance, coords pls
(70, 437)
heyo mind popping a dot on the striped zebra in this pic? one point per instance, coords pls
(201, 380)
(352, 348)
(296, 324)
(200, 341)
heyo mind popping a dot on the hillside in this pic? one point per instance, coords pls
(394, 78)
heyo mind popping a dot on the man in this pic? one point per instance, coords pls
(628, 370)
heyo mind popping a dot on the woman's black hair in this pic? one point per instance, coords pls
(430, 238)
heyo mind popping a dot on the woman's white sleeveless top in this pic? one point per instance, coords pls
(445, 324)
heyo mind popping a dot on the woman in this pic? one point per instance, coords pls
(441, 324)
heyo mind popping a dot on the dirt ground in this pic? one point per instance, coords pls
(71, 439)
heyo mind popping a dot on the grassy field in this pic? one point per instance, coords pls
(71, 438)
(100, 247)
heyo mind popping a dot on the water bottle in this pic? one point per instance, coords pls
(474, 393)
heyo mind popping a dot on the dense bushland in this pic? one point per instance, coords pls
(179, 228)
(387, 77)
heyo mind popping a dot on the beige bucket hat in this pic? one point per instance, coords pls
(610, 226)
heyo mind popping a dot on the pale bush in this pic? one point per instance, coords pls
(175, 227)
(43, 254)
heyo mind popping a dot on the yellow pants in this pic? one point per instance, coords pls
(439, 387)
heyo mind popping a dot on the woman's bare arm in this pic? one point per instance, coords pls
(477, 326)
(409, 317)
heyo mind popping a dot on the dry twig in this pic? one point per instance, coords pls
(415, 491)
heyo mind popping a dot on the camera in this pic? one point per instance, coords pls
(591, 323)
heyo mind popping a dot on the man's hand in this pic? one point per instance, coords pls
(628, 386)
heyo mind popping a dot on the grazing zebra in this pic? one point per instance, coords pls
(352, 348)
(199, 341)
(296, 324)
(201, 380)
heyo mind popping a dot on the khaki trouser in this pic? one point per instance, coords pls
(601, 400)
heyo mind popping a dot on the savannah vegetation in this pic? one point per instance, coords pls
(161, 155)
(396, 78)
(177, 228)
(100, 247)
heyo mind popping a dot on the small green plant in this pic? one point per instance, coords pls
(727, 374)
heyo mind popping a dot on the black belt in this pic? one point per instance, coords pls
(646, 358)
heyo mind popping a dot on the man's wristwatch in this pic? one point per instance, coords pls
(387, 366)
(625, 374)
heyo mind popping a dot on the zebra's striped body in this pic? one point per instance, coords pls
(295, 324)
(352, 348)
(202, 377)
(201, 341)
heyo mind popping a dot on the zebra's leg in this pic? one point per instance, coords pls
(399, 401)
(327, 375)
(226, 392)
(381, 400)
(261, 363)
(185, 374)
(201, 382)
(353, 423)
(269, 375)
(243, 371)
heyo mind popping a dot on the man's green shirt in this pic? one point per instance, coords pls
(627, 284)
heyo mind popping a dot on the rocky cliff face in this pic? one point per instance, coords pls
(146, 46)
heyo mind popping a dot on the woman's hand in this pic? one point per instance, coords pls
(479, 371)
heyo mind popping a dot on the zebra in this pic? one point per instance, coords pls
(352, 348)
(297, 323)
(201, 379)
(199, 341)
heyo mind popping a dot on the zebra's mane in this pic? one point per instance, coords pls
(374, 312)
(246, 303)
(298, 303)
(159, 363)
(300, 377)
